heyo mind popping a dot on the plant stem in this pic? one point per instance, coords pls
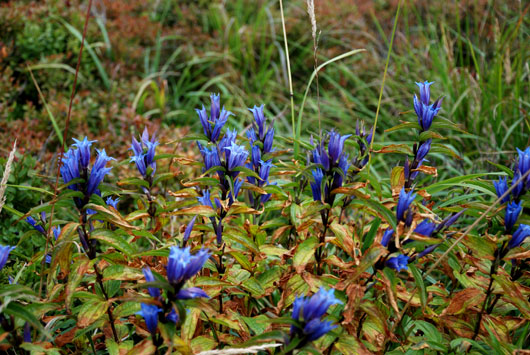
(99, 279)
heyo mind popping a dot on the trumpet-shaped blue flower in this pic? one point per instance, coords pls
(236, 156)
(144, 153)
(205, 199)
(217, 117)
(264, 171)
(316, 185)
(423, 150)
(113, 202)
(267, 142)
(70, 168)
(35, 225)
(425, 91)
(309, 311)
(83, 148)
(513, 210)
(98, 172)
(189, 228)
(182, 265)
(173, 316)
(256, 156)
(501, 187)
(404, 201)
(398, 263)
(387, 236)
(524, 161)
(251, 135)
(336, 145)
(210, 157)
(191, 292)
(338, 176)
(519, 236)
(150, 313)
(259, 118)
(425, 228)
(4, 254)
(153, 291)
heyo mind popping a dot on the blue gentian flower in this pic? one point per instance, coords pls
(256, 155)
(425, 91)
(425, 113)
(189, 228)
(450, 220)
(83, 148)
(259, 117)
(425, 228)
(227, 140)
(4, 254)
(70, 168)
(35, 224)
(251, 135)
(237, 187)
(205, 199)
(336, 145)
(150, 313)
(236, 156)
(56, 231)
(524, 160)
(210, 157)
(316, 186)
(518, 237)
(98, 172)
(264, 171)
(387, 236)
(113, 202)
(513, 210)
(404, 201)
(153, 291)
(398, 263)
(217, 117)
(427, 250)
(501, 187)
(423, 150)
(27, 333)
(309, 311)
(173, 316)
(338, 176)
(144, 153)
(182, 265)
(267, 142)
(191, 292)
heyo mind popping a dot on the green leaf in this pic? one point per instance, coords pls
(419, 283)
(305, 252)
(17, 310)
(91, 312)
(370, 236)
(114, 239)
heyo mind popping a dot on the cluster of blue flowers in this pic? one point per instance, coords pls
(261, 144)
(181, 267)
(75, 166)
(425, 113)
(308, 313)
(332, 166)
(144, 154)
(224, 156)
(514, 204)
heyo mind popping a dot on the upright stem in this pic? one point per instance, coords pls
(99, 279)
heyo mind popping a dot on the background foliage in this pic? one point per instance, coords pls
(151, 63)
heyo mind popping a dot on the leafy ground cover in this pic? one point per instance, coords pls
(198, 205)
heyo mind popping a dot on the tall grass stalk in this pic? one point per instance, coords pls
(5, 177)
(383, 83)
(291, 95)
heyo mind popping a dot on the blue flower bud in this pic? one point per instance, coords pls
(425, 228)
(316, 185)
(404, 201)
(267, 143)
(35, 225)
(153, 291)
(150, 313)
(189, 228)
(501, 187)
(524, 160)
(425, 91)
(519, 188)
(182, 265)
(4, 254)
(387, 236)
(83, 148)
(259, 118)
(517, 238)
(112, 202)
(513, 210)
(336, 145)
(398, 263)
(309, 311)
(191, 292)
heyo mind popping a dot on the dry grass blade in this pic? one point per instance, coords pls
(7, 171)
